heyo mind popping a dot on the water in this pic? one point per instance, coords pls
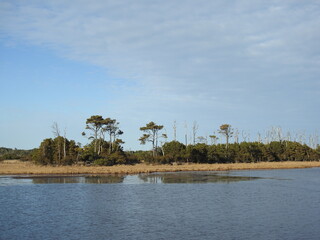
(276, 204)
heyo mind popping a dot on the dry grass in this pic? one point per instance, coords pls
(13, 167)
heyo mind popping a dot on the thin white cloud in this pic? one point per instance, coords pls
(201, 52)
(146, 39)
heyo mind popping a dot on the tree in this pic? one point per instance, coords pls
(197, 153)
(58, 145)
(174, 149)
(195, 127)
(45, 152)
(111, 126)
(49, 154)
(94, 123)
(202, 139)
(175, 130)
(151, 135)
(56, 133)
(118, 143)
(64, 143)
(227, 131)
(214, 139)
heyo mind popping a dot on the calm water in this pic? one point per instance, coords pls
(276, 204)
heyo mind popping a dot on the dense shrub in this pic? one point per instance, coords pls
(60, 151)
(244, 152)
(9, 153)
(174, 151)
(113, 159)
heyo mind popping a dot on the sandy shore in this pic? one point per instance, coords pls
(14, 167)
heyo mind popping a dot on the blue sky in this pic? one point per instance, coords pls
(252, 64)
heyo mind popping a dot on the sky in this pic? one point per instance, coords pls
(252, 64)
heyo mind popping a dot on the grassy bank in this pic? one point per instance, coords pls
(14, 167)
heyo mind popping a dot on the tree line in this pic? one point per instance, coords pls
(9, 154)
(244, 152)
(105, 147)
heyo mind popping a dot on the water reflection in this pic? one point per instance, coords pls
(191, 177)
(153, 178)
(80, 179)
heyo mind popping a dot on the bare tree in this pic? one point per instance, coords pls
(302, 137)
(227, 131)
(55, 129)
(64, 142)
(245, 135)
(267, 137)
(195, 128)
(278, 133)
(259, 137)
(165, 136)
(190, 137)
(316, 143)
(186, 133)
(175, 130)
(288, 138)
(313, 140)
(236, 135)
(56, 133)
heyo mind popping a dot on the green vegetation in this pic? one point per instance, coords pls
(49, 152)
(105, 147)
(8, 153)
(98, 152)
(244, 152)
(151, 135)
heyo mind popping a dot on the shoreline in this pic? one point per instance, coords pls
(14, 167)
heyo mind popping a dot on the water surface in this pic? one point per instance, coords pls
(169, 177)
(276, 204)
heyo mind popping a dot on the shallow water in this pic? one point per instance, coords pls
(170, 177)
(276, 204)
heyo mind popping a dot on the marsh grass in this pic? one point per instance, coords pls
(14, 167)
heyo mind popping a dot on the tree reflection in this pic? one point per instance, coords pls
(80, 179)
(191, 178)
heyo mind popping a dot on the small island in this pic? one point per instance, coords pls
(104, 153)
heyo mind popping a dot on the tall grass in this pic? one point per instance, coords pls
(18, 168)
